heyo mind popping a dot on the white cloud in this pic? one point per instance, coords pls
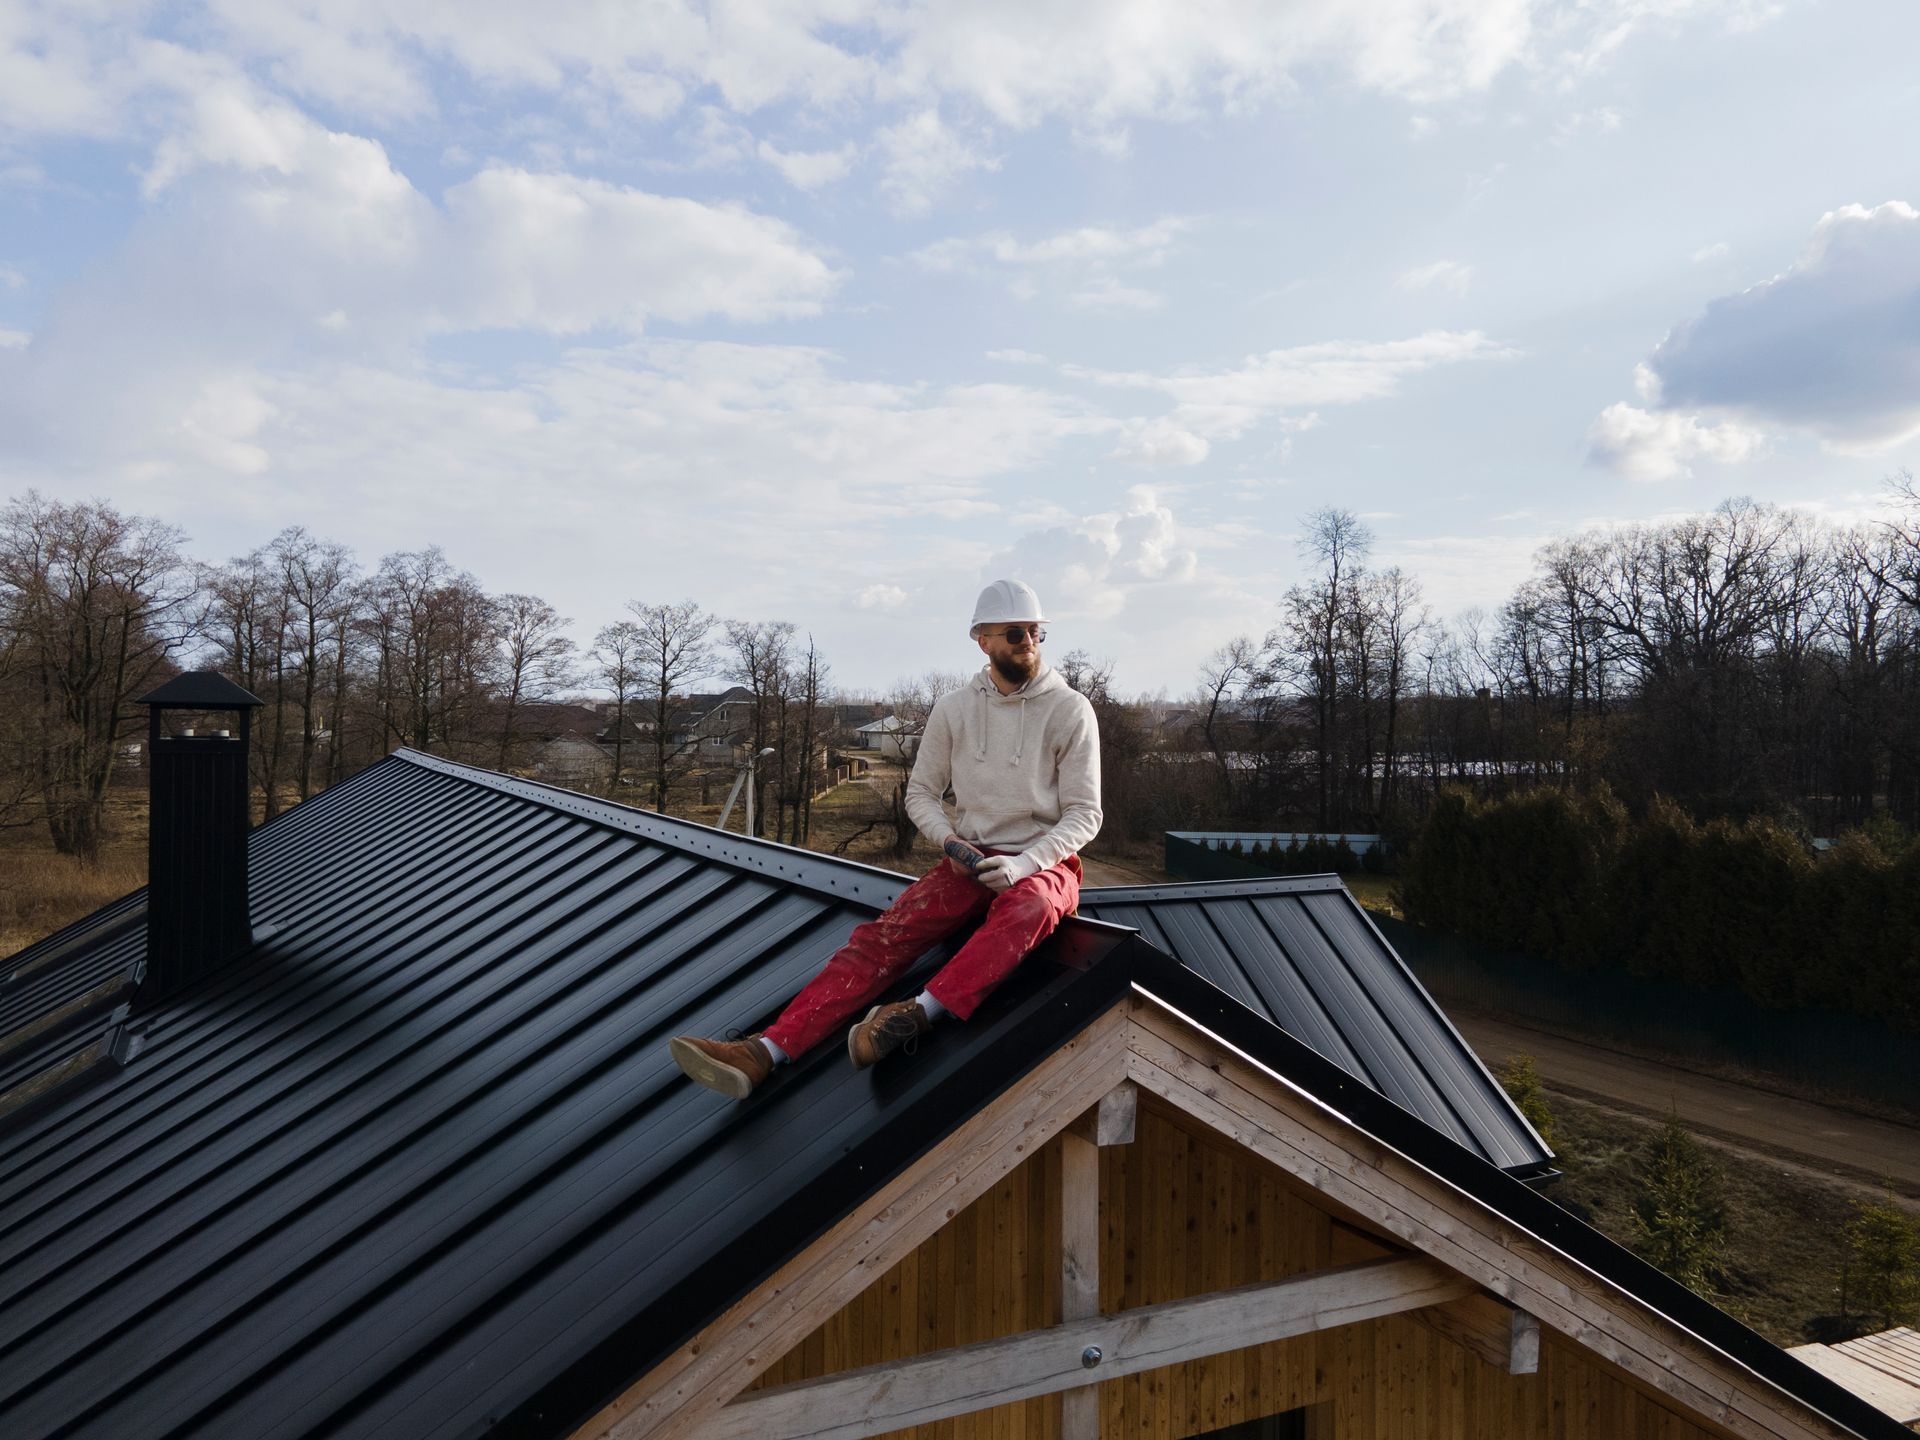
(881, 597)
(361, 53)
(1106, 293)
(14, 339)
(288, 249)
(59, 75)
(221, 423)
(1083, 265)
(586, 453)
(1458, 572)
(1291, 382)
(1603, 121)
(710, 140)
(1448, 275)
(1718, 251)
(810, 169)
(1099, 64)
(1089, 249)
(1659, 445)
(923, 158)
(288, 209)
(561, 253)
(1159, 442)
(67, 68)
(1016, 357)
(10, 278)
(1830, 347)
(1094, 568)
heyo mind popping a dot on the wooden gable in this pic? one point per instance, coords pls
(1025, 1279)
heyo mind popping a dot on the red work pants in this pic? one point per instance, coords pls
(927, 912)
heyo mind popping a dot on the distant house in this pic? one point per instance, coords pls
(575, 761)
(889, 737)
(708, 728)
(563, 742)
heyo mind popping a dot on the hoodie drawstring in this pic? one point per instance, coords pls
(981, 688)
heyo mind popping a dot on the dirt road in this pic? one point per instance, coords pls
(1106, 872)
(1817, 1137)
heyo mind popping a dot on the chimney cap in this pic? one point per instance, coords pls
(200, 690)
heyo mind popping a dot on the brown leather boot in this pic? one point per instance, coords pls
(733, 1067)
(885, 1030)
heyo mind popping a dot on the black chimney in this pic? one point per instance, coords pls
(197, 915)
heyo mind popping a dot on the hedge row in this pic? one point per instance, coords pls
(1577, 879)
(1317, 855)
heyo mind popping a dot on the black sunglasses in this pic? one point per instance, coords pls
(1014, 634)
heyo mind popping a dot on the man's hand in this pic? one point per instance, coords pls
(963, 855)
(1001, 872)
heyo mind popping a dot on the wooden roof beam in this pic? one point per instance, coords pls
(1081, 1353)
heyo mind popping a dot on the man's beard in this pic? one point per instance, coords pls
(1017, 669)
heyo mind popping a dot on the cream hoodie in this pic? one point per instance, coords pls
(1024, 769)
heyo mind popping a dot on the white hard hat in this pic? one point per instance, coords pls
(1006, 600)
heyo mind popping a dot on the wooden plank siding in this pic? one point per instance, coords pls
(1185, 1212)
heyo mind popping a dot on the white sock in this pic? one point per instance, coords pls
(780, 1057)
(929, 1007)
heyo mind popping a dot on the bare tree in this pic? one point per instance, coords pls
(1403, 623)
(1092, 678)
(316, 578)
(1903, 569)
(535, 660)
(247, 627)
(674, 652)
(1337, 544)
(19, 777)
(1229, 673)
(99, 601)
(1691, 605)
(617, 659)
(433, 632)
(758, 654)
(809, 692)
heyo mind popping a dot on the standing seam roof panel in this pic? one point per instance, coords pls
(255, 1002)
(1299, 951)
(201, 1172)
(1455, 1072)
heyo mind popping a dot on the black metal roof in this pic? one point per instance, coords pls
(201, 690)
(1304, 954)
(417, 1163)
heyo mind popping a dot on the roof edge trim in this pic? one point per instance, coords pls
(1203, 889)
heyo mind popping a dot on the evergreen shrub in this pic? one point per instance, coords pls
(1575, 879)
(1680, 1210)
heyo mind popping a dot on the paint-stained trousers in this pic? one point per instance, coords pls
(927, 912)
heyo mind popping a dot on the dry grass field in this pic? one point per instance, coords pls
(1784, 1225)
(41, 891)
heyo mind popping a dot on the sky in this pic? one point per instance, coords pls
(831, 311)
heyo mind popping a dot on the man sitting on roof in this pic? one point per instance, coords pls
(1020, 750)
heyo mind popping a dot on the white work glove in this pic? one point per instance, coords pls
(1001, 872)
